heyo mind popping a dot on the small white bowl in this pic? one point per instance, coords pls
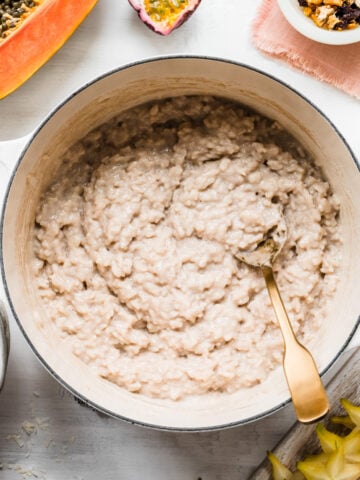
(304, 25)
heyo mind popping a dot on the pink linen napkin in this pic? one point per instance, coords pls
(337, 65)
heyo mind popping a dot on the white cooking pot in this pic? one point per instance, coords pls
(95, 104)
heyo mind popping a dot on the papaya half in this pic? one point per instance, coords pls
(31, 31)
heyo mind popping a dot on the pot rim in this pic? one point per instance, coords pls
(11, 180)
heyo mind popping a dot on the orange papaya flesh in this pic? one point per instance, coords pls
(37, 36)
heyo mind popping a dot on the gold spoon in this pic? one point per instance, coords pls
(302, 376)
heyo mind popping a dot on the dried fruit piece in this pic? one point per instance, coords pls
(31, 32)
(163, 16)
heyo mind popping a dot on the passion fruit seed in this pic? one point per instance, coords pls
(12, 13)
(165, 10)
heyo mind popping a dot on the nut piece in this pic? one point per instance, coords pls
(321, 15)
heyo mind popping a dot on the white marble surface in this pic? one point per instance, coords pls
(75, 442)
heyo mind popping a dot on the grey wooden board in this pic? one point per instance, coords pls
(301, 439)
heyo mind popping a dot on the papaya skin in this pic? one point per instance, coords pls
(40, 36)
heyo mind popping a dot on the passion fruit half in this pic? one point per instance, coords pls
(163, 16)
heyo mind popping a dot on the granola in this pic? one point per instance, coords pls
(333, 14)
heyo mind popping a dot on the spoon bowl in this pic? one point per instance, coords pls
(268, 249)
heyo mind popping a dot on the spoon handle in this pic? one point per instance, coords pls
(307, 391)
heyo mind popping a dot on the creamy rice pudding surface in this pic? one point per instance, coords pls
(134, 242)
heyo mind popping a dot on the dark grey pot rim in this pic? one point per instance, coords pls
(43, 361)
